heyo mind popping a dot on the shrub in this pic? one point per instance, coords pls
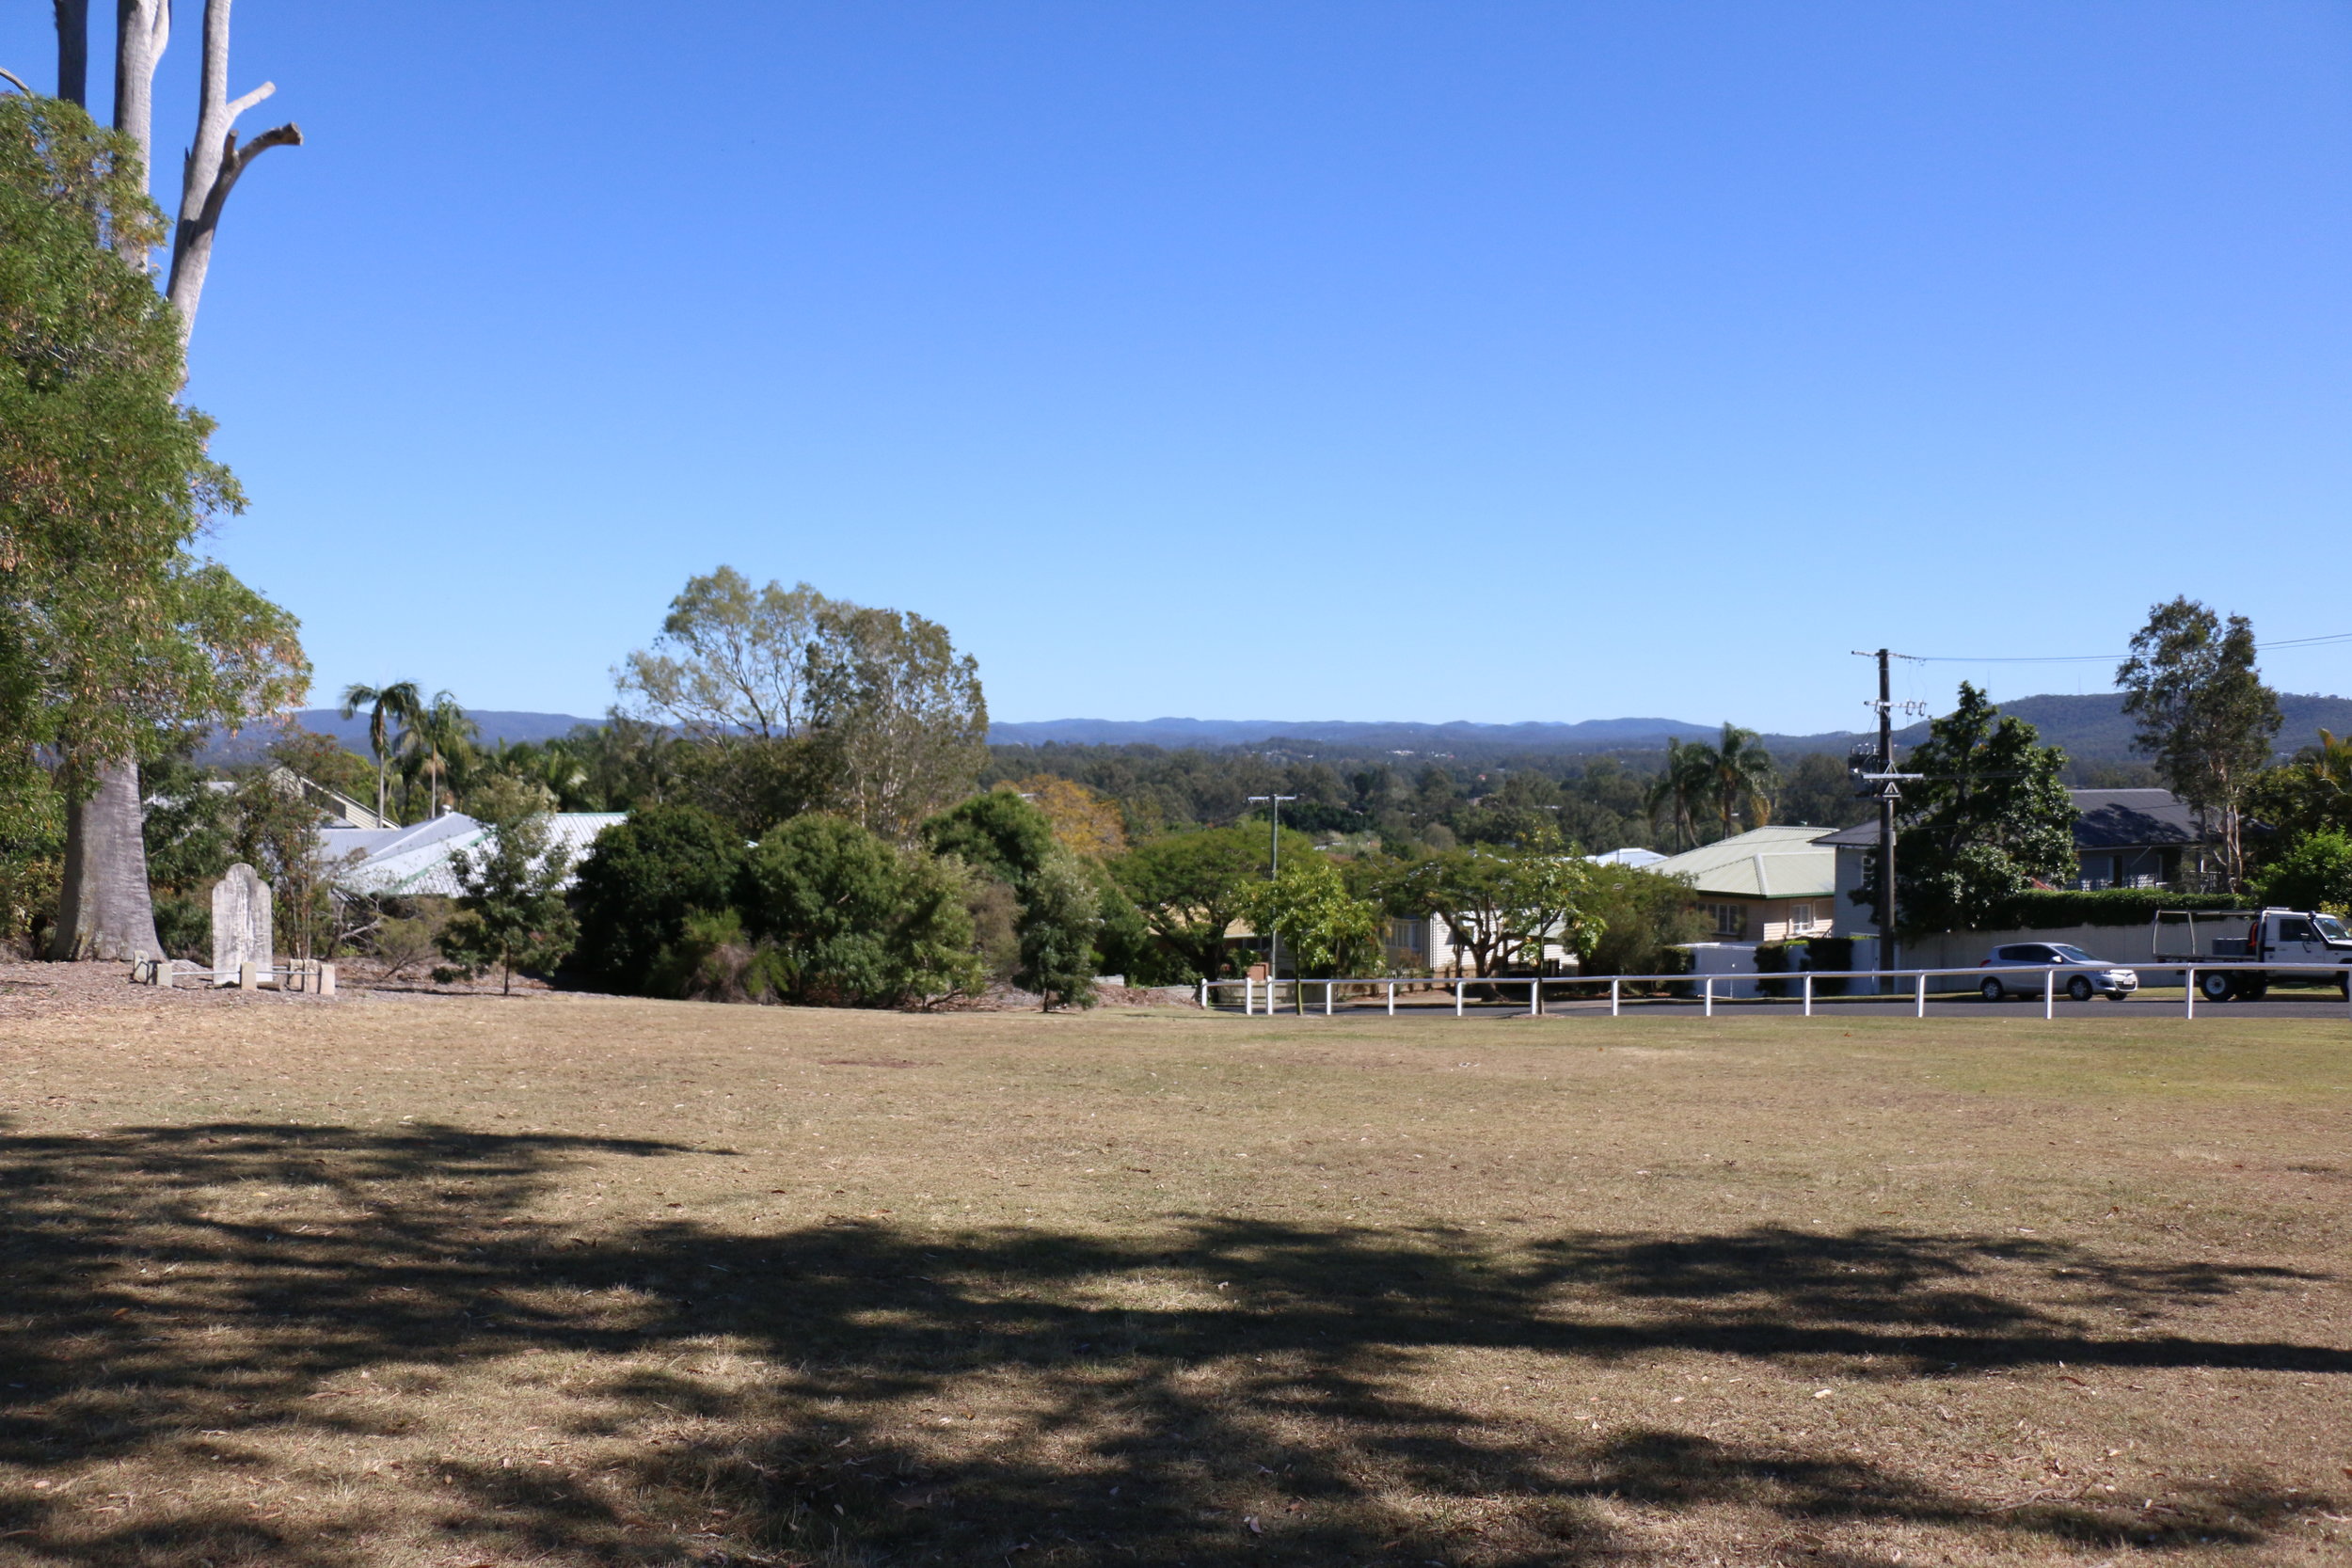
(1642, 916)
(1057, 920)
(710, 961)
(2314, 873)
(640, 881)
(1778, 957)
(402, 943)
(996, 911)
(846, 919)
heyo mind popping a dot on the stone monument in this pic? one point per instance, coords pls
(241, 924)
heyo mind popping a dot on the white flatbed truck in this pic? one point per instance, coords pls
(2278, 936)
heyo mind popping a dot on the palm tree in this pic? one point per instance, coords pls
(388, 705)
(1679, 789)
(1741, 775)
(435, 735)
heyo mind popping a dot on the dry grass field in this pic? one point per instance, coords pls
(573, 1280)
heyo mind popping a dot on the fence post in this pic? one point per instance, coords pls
(1248, 996)
(248, 976)
(1808, 993)
(1330, 988)
(1457, 996)
(1204, 994)
(327, 980)
(1708, 1006)
(1391, 998)
(1612, 997)
(2189, 993)
(2049, 993)
(1919, 994)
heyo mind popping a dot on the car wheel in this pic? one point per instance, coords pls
(1991, 990)
(2080, 988)
(2255, 990)
(2216, 986)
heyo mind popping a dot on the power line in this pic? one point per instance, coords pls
(2106, 659)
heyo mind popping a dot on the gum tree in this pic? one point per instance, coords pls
(105, 907)
(115, 639)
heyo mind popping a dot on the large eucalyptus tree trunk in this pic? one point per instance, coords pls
(73, 52)
(142, 27)
(104, 909)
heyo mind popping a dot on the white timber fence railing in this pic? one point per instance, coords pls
(1260, 996)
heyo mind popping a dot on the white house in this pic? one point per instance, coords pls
(1768, 884)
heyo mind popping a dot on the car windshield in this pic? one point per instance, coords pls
(2070, 953)
(2330, 927)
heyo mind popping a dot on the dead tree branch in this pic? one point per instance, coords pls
(215, 163)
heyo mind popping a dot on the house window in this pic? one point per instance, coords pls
(1731, 920)
(1799, 915)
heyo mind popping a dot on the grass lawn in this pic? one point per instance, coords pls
(582, 1281)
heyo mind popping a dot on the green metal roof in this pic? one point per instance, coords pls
(1762, 862)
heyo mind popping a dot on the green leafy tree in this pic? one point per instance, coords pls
(115, 639)
(1326, 929)
(1547, 896)
(1059, 905)
(2314, 873)
(2311, 793)
(640, 881)
(511, 910)
(1060, 910)
(391, 709)
(2203, 713)
(1189, 889)
(1820, 792)
(897, 715)
(1637, 920)
(999, 833)
(1122, 940)
(1990, 819)
(846, 918)
(190, 827)
(1500, 905)
(731, 660)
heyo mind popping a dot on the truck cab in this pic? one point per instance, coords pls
(2252, 936)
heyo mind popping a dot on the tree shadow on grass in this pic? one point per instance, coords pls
(1215, 1389)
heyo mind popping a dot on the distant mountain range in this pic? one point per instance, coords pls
(1592, 734)
(2090, 729)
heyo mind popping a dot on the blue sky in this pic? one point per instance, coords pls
(1355, 360)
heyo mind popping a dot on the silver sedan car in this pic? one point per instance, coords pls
(2083, 976)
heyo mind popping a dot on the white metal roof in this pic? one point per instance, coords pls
(415, 859)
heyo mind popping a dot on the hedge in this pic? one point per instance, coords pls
(2054, 909)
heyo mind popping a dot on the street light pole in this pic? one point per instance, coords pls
(1273, 804)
